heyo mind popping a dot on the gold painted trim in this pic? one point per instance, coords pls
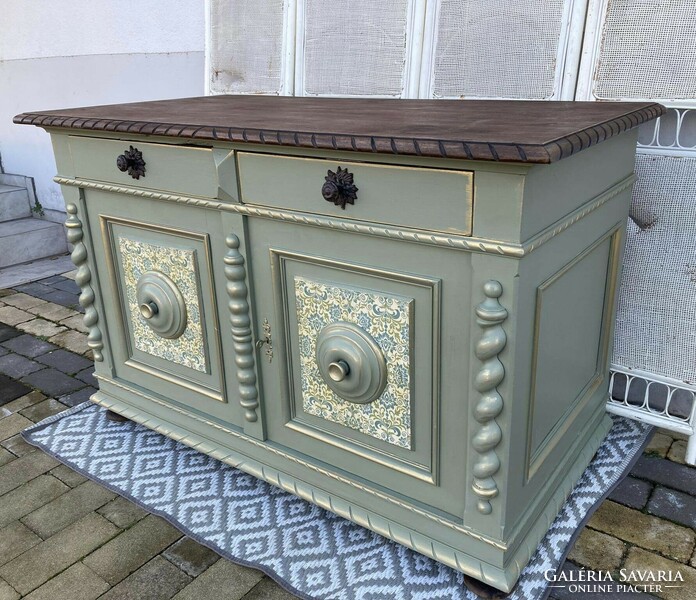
(433, 286)
(576, 462)
(105, 223)
(416, 470)
(521, 552)
(174, 379)
(467, 243)
(444, 553)
(550, 232)
(471, 244)
(536, 459)
(330, 474)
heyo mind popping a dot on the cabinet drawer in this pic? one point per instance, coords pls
(422, 198)
(180, 169)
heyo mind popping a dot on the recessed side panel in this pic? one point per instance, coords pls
(572, 325)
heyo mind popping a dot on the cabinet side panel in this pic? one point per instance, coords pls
(575, 268)
(570, 341)
(553, 191)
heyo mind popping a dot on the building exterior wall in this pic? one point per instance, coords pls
(75, 53)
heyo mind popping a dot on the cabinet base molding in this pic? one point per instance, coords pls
(511, 558)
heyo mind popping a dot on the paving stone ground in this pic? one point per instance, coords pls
(65, 537)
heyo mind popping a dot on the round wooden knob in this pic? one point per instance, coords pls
(351, 363)
(148, 310)
(338, 370)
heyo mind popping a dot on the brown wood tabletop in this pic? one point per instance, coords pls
(497, 130)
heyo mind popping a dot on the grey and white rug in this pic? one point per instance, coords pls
(312, 552)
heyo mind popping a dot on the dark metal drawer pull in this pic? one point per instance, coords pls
(339, 188)
(131, 161)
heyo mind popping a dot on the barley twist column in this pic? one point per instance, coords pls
(490, 316)
(83, 279)
(241, 328)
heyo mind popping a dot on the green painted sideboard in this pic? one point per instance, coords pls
(400, 311)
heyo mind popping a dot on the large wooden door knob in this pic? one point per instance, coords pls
(351, 362)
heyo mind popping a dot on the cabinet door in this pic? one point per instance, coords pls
(360, 329)
(158, 264)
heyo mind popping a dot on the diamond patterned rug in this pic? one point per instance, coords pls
(311, 552)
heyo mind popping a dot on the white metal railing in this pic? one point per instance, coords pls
(673, 134)
(657, 400)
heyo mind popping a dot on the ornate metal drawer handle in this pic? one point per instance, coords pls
(339, 188)
(131, 161)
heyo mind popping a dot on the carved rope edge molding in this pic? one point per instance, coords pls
(457, 242)
(241, 328)
(462, 149)
(149, 423)
(490, 316)
(469, 243)
(83, 278)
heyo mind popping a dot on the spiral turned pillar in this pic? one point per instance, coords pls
(83, 278)
(490, 316)
(240, 320)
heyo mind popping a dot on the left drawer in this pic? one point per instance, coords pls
(183, 170)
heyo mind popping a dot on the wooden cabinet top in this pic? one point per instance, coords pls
(493, 130)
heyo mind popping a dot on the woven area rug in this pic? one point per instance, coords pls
(311, 552)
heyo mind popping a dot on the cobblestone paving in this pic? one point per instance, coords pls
(63, 536)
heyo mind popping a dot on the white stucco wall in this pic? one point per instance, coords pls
(75, 53)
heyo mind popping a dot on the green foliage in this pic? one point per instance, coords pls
(38, 209)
